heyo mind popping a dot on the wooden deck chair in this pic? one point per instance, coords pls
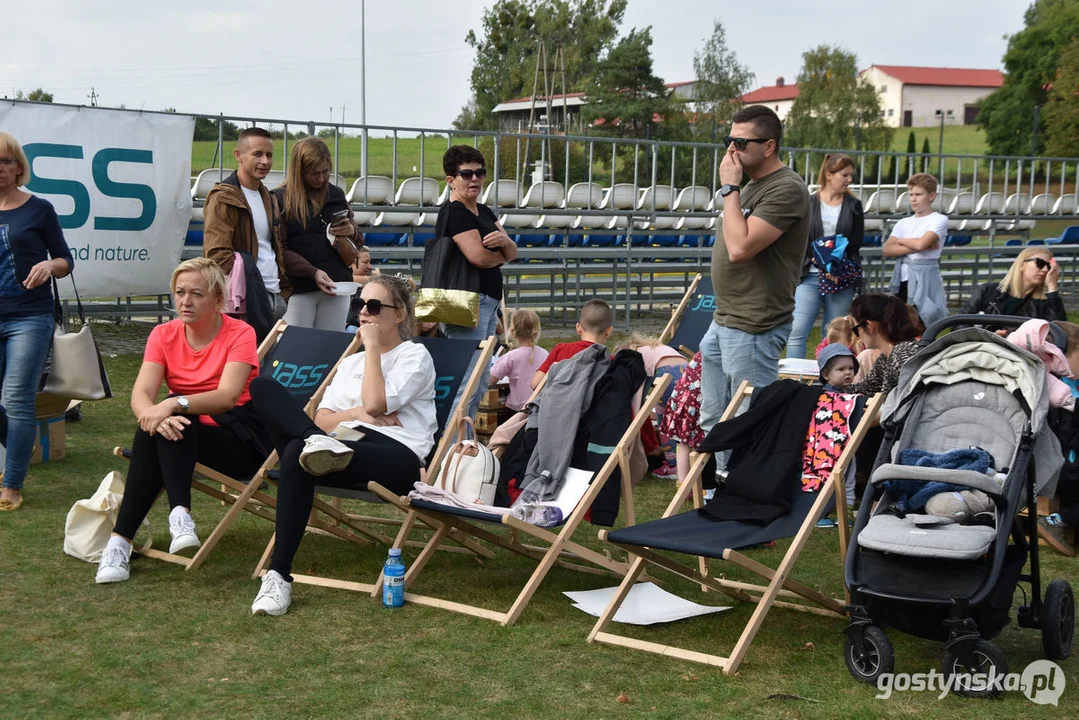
(691, 318)
(692, 533)
(556, 544)
(452, 359)
(301, 359)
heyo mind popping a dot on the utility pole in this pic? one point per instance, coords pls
(342, 113)
(363, 87)
(93, 96)
(940, 148)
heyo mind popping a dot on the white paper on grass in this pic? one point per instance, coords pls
(646, 604)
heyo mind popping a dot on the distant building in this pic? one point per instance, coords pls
(780, 97)
(921, 96)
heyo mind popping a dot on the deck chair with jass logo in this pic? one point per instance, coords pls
(695, 534)
(301, 359)
(544, 546)
(691, 318)
(452, 359)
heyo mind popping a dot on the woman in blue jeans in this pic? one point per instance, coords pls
(835, 211)
(480, 238)
(32, 252)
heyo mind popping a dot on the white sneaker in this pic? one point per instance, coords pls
(114, 565)
(274, 596)
(182, 529)
(322, 455)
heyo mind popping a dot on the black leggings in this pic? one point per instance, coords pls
(376, 458)
(158, 463)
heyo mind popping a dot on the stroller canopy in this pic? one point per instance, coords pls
(974, 354)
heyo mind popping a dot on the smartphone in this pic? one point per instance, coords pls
(340, 215)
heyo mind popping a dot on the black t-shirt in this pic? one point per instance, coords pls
(310, 241)
(460, 219)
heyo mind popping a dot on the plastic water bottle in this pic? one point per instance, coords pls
(393, 580)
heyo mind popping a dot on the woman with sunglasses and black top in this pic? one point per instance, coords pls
(480, 238)
(380, 403)
(1030, 289)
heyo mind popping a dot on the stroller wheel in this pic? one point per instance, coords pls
(877, 658)
(1058, 620)
(989, 662)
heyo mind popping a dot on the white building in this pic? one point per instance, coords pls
(920, 96)
(780, 97)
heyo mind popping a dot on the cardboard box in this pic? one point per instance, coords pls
(490, 398)
(50, 442)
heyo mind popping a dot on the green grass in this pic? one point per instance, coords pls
(958, 139)
(177, 644)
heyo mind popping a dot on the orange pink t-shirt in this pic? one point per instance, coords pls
(189, 371)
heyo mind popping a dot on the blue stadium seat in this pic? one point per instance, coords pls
(1035, 242)
(193, 238)
(532, 240)
(665, 240)
(420, 239)
(1070, 236)
(1013, 242)
(597, 240)
(958, 240)
(872, 241)
(381, 239)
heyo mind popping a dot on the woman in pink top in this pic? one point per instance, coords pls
(521, 363)
(207, 360)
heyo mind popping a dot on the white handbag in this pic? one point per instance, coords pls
(469, 470)
(89, 522)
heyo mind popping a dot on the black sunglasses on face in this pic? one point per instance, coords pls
(374, 306)
(1042, 263)
(854, 330)
(469, 174)
(742, 143)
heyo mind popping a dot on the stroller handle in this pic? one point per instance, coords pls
(1011, 322)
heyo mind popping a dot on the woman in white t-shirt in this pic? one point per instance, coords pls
(834, 211)
(386, 393)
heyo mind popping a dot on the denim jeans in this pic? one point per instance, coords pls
(807, 303)
(487, 326)
(24, 345)
(729, 356)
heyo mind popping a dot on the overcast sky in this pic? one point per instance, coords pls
(294, 60)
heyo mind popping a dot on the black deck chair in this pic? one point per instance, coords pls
(301, 359)
(691, 533)
(452, 359)
(691, 319)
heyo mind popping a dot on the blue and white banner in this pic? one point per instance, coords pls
(120, 182)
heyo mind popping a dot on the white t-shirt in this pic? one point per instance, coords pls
(915, 227)
(267, 259)
(829, 216)
(410, 392)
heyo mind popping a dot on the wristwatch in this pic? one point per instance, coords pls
(184, 404)
(728, 189)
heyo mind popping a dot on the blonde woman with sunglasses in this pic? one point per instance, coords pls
(1030, 289)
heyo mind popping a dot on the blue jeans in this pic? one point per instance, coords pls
(729, 356)
(487, 326)
(807, 303)
(24, 345)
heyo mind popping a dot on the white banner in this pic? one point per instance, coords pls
(120, 182)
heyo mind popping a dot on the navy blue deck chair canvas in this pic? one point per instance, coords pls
(549, 546)
(691, 318)
(697, 534)
(299, 358)
(452, 360)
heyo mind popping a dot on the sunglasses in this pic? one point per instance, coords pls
(1040, 262)
(742, 143)
(857, 327)
(374, 306)
(469, 174)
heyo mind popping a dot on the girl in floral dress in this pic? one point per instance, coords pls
(681, 420)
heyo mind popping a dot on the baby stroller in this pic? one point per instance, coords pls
(943, 580)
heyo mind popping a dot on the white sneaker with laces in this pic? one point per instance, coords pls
(274, 596)
(114, 565)
(322, 455)
(182, 529)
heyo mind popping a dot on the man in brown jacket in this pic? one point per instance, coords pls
(239, 216)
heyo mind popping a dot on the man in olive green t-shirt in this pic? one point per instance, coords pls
(756, 262)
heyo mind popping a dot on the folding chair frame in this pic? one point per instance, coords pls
(247, 497)
(780, 583)
(362, 523)
(560, 547)
(677, 314)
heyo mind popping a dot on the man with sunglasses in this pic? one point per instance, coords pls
(761, 240)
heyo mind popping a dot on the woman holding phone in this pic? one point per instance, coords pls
(319, 238)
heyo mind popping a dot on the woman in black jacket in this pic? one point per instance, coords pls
(835, 211)
(319, 238)
(1030, 289)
